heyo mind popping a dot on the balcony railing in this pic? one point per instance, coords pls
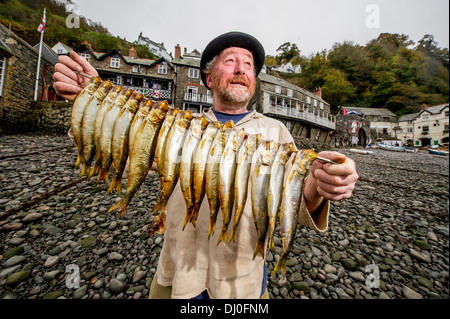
(156, 94)
(198, 98)
(327, 120)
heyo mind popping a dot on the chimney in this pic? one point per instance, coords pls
(185, 50)
(318, 92)
(423, 107)
(88, 45)
(177, 51)
(132, 52)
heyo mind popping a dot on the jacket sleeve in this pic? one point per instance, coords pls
(317, 220)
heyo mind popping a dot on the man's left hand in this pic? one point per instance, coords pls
(330, 181)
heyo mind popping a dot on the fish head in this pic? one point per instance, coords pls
(184, 120)
(264, 155)
(212, 129)
(114, 93)
(303, 160)
(158, 113)
(170, 116)
(93, 84)
(103, 90)
(273, 148)
(123, 97)
(285, 151)
(145, 106)
(134, 101)
(251, 143)
(239, 138)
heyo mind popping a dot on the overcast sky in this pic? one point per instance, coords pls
(313, 25)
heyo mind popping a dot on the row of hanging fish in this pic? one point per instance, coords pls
(112, 126)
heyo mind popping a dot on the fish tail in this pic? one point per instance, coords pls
(187, 218)
(233, 234)
(259, 248)
(102, 176)
(84, 170)
(78, 162)
(281, 265)
(212, 228)
(160, 205)
(223, 235)
(94, 171)
(194, 213)
(271, 243)
(113, 185)
(122, 205)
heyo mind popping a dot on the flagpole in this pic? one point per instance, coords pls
(36, 86)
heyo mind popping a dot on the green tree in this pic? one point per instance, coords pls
(337, 90)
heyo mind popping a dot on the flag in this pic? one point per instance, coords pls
(42, 25)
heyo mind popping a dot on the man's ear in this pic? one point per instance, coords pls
(208, 79)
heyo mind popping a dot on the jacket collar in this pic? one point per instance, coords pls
(210, 116)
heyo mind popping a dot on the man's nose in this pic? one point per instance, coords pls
(240, 68)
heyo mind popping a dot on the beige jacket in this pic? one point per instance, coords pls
(191, 263)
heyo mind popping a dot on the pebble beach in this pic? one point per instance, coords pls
(388, 241)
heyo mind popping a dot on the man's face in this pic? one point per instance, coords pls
(232, 79)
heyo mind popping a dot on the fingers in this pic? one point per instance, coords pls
(80, 62)
(335, 181)
(66, 73)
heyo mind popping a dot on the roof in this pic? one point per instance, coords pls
(277, 81)
(434, 109)
(187, 62)
(65, 46)
(48, 53)
(408, 117)
(371, 111)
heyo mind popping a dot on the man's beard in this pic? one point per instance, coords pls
(234, 97)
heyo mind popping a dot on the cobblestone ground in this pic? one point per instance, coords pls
(390, 240)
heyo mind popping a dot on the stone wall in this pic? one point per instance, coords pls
(52, 117)
(352, 127)
(19, 82)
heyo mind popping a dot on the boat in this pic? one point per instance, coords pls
(436, 151)
(391, 147)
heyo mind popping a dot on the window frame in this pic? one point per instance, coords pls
(114, 62)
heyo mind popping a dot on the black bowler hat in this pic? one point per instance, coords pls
(233, 39)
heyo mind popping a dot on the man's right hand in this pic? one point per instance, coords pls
(66, 82)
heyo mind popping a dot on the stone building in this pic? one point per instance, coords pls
(18, 64)
(157, 49)
(190, 93)
(153, 78)
(304, 113)
(382, 120)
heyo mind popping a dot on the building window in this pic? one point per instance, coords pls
(137, 68)
(410, 130)
(425, 117)
(321, 105)
(85, 56)
(193, 73)
(290, 93)
(59, 51)
(446, 113)
(410, 122)
(425, 128)
(374, 119)
(162, 68)
(308, 100)
(115, 63)
(278, 89)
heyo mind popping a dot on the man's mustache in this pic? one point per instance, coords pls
(239, 79)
